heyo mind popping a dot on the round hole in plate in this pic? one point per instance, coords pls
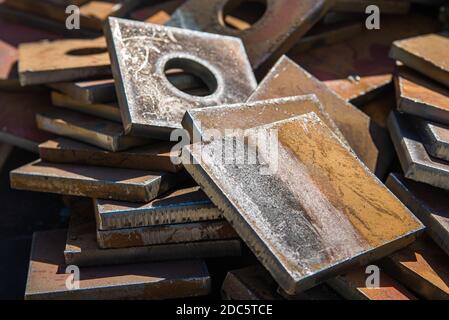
(190, 77)
(86, 51)
(243, 14)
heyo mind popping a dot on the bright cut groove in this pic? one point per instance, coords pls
(243, 14)
(199, 80)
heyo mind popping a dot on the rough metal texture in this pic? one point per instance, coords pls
(422, 267)
(352, 286)
(165, 234)
(157, 156)
(93, 182)
(429, 204)
(91, 91)
(98, 132)
(360, 91)
(325, 210)
(46, 62)
(177, 206)
(18, 119)
(281, 26)
(365, 137)
(82, 249)
(250, 283)
(252, 114)
(385, 6)
(421, 97)
(426, 54)
(435, 137)
(8, 65)
(415, 161)
(157, 280)
(149, 103)
(109, 111)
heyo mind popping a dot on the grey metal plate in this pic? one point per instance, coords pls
(429, 204)
(415, 161)
(321, 210)
(176, 206)
(149, 103)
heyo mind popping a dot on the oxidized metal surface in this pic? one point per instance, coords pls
(429, 204)
(365, 137)
(82, 249)
(365, 54)
(149, 103)
(8, 65)
(108, 111)
(157, 156)
(385, 6)
(317, 218)
(415, 161)
(253, 114)
(98, 132)
(62, 60)
(379, 109)
(177, 206)
(165, 234)
(18, 118)
(93, 182)
(158, 280)
(250, 283)
(421, 97)
(426, 54)
(90, 91)
(422, 267)
(282, 24)
(360, 90)
(435, 137)
(352, 286)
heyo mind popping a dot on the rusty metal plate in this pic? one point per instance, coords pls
(379, 109)
(82, 249)
(98, 132)
(435, 137)
(303, 217)
(18, 119)
(62, 60)
(429, 204)
(326, 34)
(157, 280)
(92, 14)
(176, 206)
(421, 97)
(157, 156)
(365, 54)
(165, 234)
(360, 90)
(385, 6)
(352, 286)
(9, 76)
(365, 137)
(280, 27)
(422, 267)
(426, 54)
(93, 182)
(252, 114)
(91, 91)
(150, 104)
(415, 161)
(108, 111)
